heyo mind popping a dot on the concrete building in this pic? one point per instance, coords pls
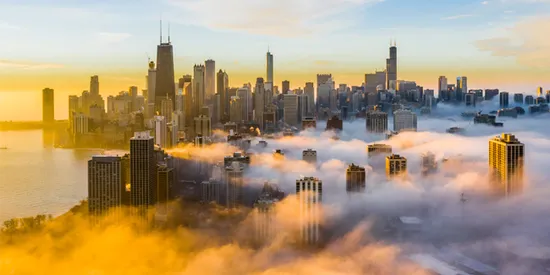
(377, 121)
(107, 184)
(234, 183)
(48, 117)
(396, 165)
(309, 91)
(161, 132)
(355, 179)
(264, 213)
(310, 156)
(309, 122)
(209, 79)
(529, 100)
(212, 191)
(151, 84)
(235, 110)
(442, 84)
(222, 88)
(198, 88)
(237, 157)
(259, 101)
(506, 162)
(291, 109)
(428, 163)
(164, 183)
(378, 149)
(334, 124)
(142, 171)
(309, 191)
(518, 98)
(285, 87)
(203, 126)
(404, 120)
(504, 100)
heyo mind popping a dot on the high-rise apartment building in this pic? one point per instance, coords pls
(391, 66)
(198, 88)
(310, 156)
(166, 108)
(309, 191)
(203, 126)
(107, 183)
(48, 116)
(209, 79)
(142, 171)
(377, 121)
(461, 87)
(504, 100)
(244, 94)
(235, 110)
(165, 180)
(222, 87)
(259, 101)
(442, 84)
(234, 184)
(378, 149)
(309, 91)
(151, 83)
(161, 131)
(269, 67)
(285, 87)
(396, 165)
(334, 124)
(291, 109)
(404, 120)
(165, 84)
(506, 162)
(355, 178)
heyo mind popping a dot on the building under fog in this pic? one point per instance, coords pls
(428, 163)
(377, 121)
(107, 183)
(142, 171)
(310, 156)
(355, 178)
(404, 120)
(378, 149)
(396, 165)
(234, 184)
(264, 212)
(309, 192)
(506, 162)
(309, 122)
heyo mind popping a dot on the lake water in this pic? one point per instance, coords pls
(36, 178)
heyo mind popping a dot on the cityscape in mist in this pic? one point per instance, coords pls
(258, 139)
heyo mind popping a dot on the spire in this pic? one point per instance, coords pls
(168, 32)
(160, 31)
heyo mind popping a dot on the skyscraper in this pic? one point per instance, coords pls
(355, 178)
(234, 184)
(461, 87)
(222, 87)
(325, 85)
(94, 86)
(198, 88)
(165, 180)
(291, 109)
(142, 171)
(504, 99)
(310, 156)
(235, 110)
(161, 132)
(442, 84)
(404, 120)
(377, 121)
(309, 91)
(286, 87)
(391, 66)
(151, 81)
(378, 149)
(203, 126)
(209, 79)
(107, 180)
(506, 162)
(539, 92)
(259, 101)
(165, 82)
(48, 106)
(428, 163)
(309, 191)
(269, 67)
(395, 165)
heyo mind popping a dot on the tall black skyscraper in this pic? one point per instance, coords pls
(391, 66)
(142, 171)
(165, 83)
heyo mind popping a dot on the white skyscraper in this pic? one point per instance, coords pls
(404, 120)
(210, 78)
(309, 192)
(291, 109)
(161, 132)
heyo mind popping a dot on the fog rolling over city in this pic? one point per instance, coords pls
(454, 204)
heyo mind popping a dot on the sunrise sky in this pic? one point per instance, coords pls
(60, 44)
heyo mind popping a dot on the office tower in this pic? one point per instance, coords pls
(142, 171)
(80, 124)
(470, 99)
(442, 84)
(186, 83)
(302, 106)
(391, 66)
(264, 208)
(310, 156)
(107, 184)
(355, 178)
(539, 92)
(235, 110)
(244, 94)
(291, 109)
(269, 67)
(404, 120)
(378, 149)
(151, 82)
(491, 93)
(161, 135)
(222, 87)
(259, 103)
(209, 79)
(461, 87)
(203, 126)
(198, 88)
(234, 184)
(334, 124)
(237, 157)
(165, 82)
(518, 98)
(428, 163)
(529, 100)
(286, 87)
(504, 100)
(94, 86)
(166, 108)
(212, 191)
(377, 121)
(165, 181)
(48, 106)
(73, 109)
(396, 165)
(309, 191)
(506, 162)
(324, 90)
(309, 91)
(374, 80)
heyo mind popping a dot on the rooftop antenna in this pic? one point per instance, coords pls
(267, 47)
(168, 32)
(160, 31)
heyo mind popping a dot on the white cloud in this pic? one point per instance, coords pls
(485, 2)
(454, 17)
(11, 64)
(113, 37)
(270, 17)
